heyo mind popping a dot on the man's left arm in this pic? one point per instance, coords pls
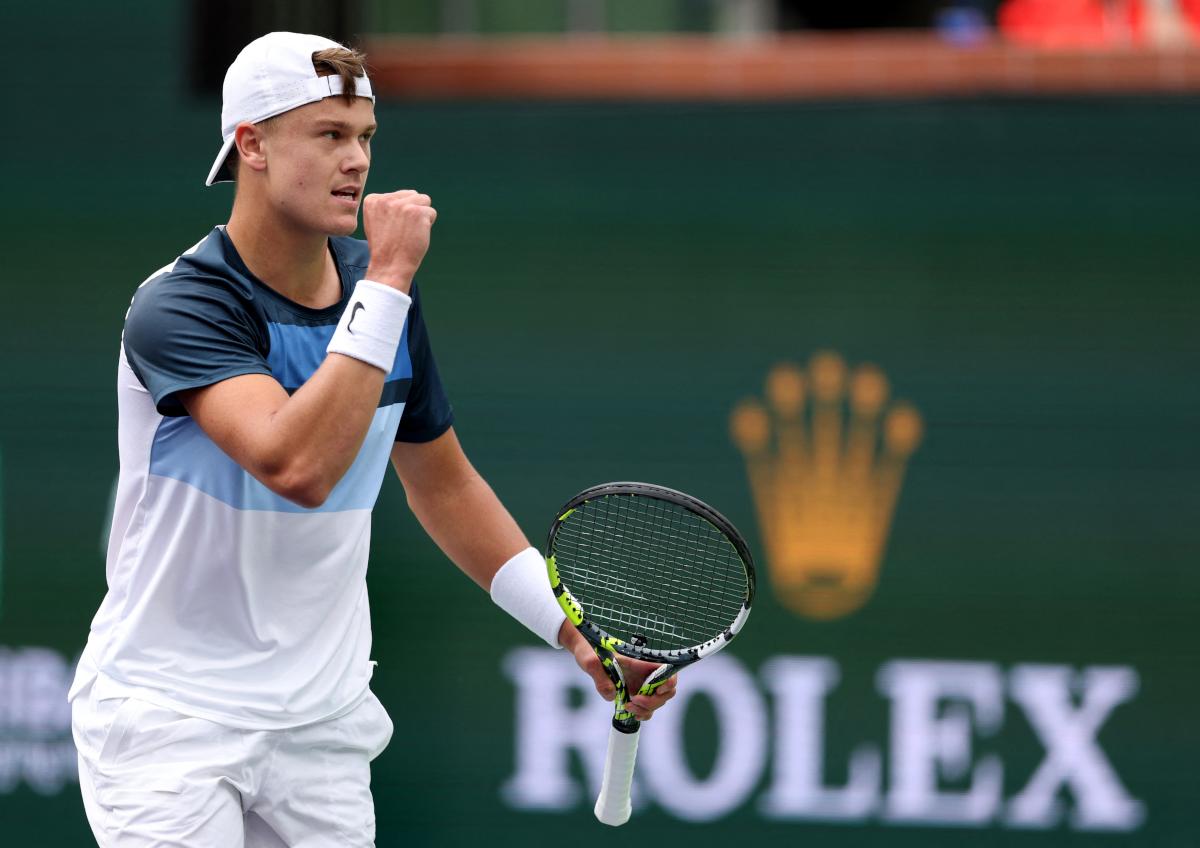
(461, 513)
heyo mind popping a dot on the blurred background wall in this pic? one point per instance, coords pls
(984, 635)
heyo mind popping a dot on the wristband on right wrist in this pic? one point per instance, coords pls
(370, 328)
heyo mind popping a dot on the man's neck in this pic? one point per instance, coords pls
(295, 263)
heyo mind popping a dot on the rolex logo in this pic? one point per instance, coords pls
(825, 456)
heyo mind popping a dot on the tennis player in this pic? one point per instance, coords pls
(265, 379)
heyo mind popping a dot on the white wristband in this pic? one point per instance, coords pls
(370, 327)
(522, 589)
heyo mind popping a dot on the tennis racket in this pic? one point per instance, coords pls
(648, 573)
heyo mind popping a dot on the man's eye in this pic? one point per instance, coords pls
(332, 133)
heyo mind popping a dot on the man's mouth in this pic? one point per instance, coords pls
(348, 194)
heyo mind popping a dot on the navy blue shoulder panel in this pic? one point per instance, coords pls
(194, 325)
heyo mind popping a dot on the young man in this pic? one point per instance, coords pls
(265, 379)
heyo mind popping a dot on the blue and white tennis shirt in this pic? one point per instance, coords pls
(226, 601)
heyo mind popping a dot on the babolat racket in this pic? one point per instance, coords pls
(648, 573)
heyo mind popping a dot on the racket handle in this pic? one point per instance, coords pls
(613, 807)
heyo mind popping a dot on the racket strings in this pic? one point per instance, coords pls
(649, 568)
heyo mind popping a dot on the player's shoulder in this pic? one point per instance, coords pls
(203, 290)
(208, 272)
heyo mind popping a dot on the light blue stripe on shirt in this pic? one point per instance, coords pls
(182, 451)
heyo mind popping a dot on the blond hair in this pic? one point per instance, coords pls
(344, 62)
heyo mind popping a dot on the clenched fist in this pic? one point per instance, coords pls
(397, 227)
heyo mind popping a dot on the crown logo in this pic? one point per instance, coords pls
(825, 456)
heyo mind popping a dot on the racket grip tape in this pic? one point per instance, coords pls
(613, 807)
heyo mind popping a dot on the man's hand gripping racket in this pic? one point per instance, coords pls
(652, 574)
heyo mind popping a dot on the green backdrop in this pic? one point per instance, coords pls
(606, 282)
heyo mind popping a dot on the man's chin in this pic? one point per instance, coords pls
(342, 226)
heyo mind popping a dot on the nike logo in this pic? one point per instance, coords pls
(353, 315)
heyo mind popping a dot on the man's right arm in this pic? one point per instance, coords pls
(300, 446)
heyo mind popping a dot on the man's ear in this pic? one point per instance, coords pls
(249, 141)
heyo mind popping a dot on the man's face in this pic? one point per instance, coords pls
(317, 160)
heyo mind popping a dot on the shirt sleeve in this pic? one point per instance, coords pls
(427, 412)
(184, 334)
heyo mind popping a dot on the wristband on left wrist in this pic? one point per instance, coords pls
(522, 589)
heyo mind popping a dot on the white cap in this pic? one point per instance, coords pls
(272, 75)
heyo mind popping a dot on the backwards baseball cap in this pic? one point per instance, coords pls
(272, 75)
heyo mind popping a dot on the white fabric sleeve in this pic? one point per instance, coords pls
(522, 589)
(371, 326)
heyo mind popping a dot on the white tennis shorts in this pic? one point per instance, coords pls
(150, 776)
